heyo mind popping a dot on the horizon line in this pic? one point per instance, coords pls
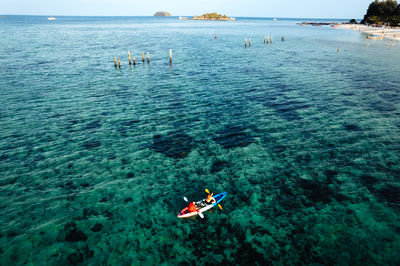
(53, 15)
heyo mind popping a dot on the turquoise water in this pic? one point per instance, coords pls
(95, 160)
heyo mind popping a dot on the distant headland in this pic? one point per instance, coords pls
(162, 14)
(213, 16)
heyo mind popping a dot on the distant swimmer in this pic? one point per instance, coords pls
(215, 36)
(283, 38)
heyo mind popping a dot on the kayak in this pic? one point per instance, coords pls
(185, 213)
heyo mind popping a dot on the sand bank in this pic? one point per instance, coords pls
(387, 33)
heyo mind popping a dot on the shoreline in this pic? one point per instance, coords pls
(386, 33)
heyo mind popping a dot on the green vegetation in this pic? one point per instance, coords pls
(214, 16)
(383, 12)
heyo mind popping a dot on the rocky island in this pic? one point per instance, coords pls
(162, 14)
(213, 16)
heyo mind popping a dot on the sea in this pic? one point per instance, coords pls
(95, 160)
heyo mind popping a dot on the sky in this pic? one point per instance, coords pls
(237, 8)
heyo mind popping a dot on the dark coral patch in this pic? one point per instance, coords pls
(93, 125)
(75, 258)
(73, 234)
(128, 200)
(383, 106)
(218, 166)
(127, 125)
(176, 145)
(352, 127)
(233, 136)
(288, 109)
(316, 191)
(390, 193)
(91, 144)
(97, 227)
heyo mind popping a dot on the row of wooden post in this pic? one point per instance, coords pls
(134, 60)
(267, 39)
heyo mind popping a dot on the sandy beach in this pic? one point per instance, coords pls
(387, 33)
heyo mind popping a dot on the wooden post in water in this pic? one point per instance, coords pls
(245, 43)
(143, 57)
(148, 58)
(170, 56)
(134, 61)
(115, 62)
(119, 63)
(129, 57)
(249, 42)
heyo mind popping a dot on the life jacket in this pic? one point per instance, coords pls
(192, 207)
(209, 198)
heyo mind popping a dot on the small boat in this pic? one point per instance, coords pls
(375, 37)
(185, 213)
(275, 19)
(51, 18)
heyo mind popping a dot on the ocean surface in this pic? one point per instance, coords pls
(95, 160)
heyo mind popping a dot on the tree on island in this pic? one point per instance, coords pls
(214, 15)
(383, 12)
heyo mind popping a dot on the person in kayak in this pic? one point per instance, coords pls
(192, 207)
(210, 199)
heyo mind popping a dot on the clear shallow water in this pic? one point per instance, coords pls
(95, 160)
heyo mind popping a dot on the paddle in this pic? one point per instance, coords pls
(201, 215)
(185, 199)
(208, 192)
